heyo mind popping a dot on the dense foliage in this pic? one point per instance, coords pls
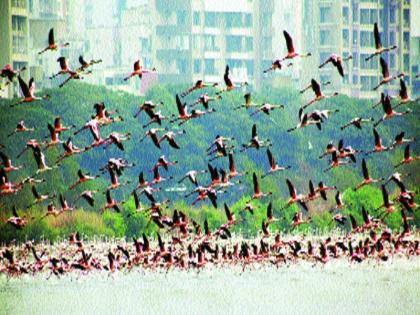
(300, 149)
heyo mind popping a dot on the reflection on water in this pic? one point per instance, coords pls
(391, 288)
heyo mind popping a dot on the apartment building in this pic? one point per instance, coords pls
(196, 39)
(14, 39)
(345, 27)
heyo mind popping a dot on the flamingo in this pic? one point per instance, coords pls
(37, 154)
(148, 107)
(275, 65)
(329, 149)
(305, 121)
(28, 91)
(229, 82)
(7, 164)
(258, 194)
(310, 86)
(294, 197)
(111, 203)
(54, 137)
(387, 204)
(389, 112)
(205, 99)
(117, 139)
(407, 157)
(404, 98)
(152, 133)
(367, 180)
(138, 71)
(88, 196)
(379, 147)
(69, 150)
(270, 217)
(248, 102)
(59, 128)
(155, 118)
(192, 176)
(266, 108)
(38, 198)
(274, 167)
(337, 61)
(255, 142)
(318, 94)
(84, 65)
(378, 45)
(335, 162)
(114, 181)
(64, 204)
(233, 172)
(138, 207)
(297, 220)
(8, 72)
(17, 221)
(199, 84)
(357, 122)
(170, 137)
(290, 48)
(385, 74)
(399, 140)
(7, 187)
(51, 211)
(20, 127)
(339, 204)
(52, 44)
(82, 178)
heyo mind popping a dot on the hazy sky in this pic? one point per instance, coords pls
(415, 17)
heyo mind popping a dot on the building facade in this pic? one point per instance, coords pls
(345, 27)
(196, 39)
(14, 39)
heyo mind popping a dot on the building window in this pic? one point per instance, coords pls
(323, 56)
(355, 60)
(181, 65)
(196, 18)
(233, 44)
(392, 61)
(197, 65)
(145, 45)
(392, 38)
(381, 17)
(366, 39)
(355, 79)
(406, 66)
(19, 44)
(355, 11)
(324, 37)
(346, 38)
(210, 19)
(181, 17)
(392, 15)
(233, 20)
(19, 3)
(364, 83)
(406, 40)
(249, 44)
(364, 16)
(209, 66)
(18, 23)
(210, 43)
(249, 67)
(248, 20)
(406, 18)
(324, 14)
(373, 16)
(355, 37)
(345, 15)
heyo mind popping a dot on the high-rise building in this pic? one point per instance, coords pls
(197, 39)
(14, 36)
(345, 27)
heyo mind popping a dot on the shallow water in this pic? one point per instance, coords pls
(338, 287)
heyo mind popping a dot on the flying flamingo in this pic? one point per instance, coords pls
(51, 43)
(28, 91)
(305, 121)
(69, 150)
(229, 82)
(407, 157)
(389, 112)
(257, 192)
(255, 142)
(266, 108)
(385, 74)
(378, 45)
(248, 102)
(7, 165)
(20, 127)
(199, 84)
(82, 178)
(318, 93)
(205, 99)
(290, 48)
(111, 203)
(357, 122)
(366, 178)
(337, 62)
(274, 167)
(404, 98)
(379, 147)
(170, 137)
(294, 197)
(138, 71)
(335, 162)
(152, 133)
(399, 140)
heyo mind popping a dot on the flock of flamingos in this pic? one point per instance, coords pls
(188, 244)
